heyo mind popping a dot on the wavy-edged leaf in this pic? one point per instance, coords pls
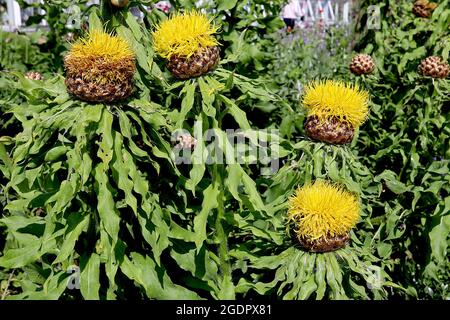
(90, 277)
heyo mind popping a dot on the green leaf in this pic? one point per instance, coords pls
(154, 281)
(408, 56)
(439, 237)
(237, 113)
(334, 276)
(106, 144)
(210, 202)
(16, 258)
(254, 196)
(76, 223)
(200, 265)
(320, 276)
(208, 98)
(392, 182)
(15, 223)
(233, 180)
(121, 172)
(226, 4)
(90, 278)
(384, 250)
(94, 22)
(53, 288)
(106, 206)
(138, 48)
(198, 163)
(55, 153)
(63, 197)
(307, 288)
(227, 289)
(131, 21)
(186, 104)
(359, 289)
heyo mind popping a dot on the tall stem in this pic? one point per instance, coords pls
(221, 235)
(227, 292)
(219, 177)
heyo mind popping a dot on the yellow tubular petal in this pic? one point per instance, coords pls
(101, 44)
(323, 209)
(101, 58)
(183, 34)
(326, 99)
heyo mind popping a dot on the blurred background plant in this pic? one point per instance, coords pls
(312, 52)
(22, 52)
(62, 21)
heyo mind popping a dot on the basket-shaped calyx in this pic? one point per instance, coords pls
(334, 111)
(323, 214)
(100, 68)
(424, 8)
(362, 64)
(188, 44)
(434, 67)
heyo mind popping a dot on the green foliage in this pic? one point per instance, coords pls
(407, 137)
(95, 192)
(81, 170)
(21, 52)
(361, 271)
(84, 185)
(64, 25)
(316, 49)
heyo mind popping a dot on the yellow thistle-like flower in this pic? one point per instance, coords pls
(323, 210)
(183, 34)
(101, 58)
(327, 99)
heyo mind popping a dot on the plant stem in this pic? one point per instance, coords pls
(220, 215)
(220, 232)
(6, 291)
(219, 178)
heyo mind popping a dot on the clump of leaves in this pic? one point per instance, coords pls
(271, 260)
(86, 183)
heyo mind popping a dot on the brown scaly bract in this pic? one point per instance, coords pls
(362, 64)
(326, 244)
(434, 67)
(100, 68)
(424, 8)
(202, 62)
(331, 131)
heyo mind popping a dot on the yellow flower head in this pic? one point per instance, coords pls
(101, 57)
(323, 210)
(183, 34)
(327, 99)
